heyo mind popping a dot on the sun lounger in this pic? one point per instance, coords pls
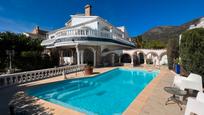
(196, 105)
(193, 81)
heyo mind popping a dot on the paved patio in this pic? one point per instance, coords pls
(151, 100)
(155, 104)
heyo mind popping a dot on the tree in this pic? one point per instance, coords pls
(192, 51)
(138, 41)
(172, 51)
(154, 44)
(28, 52)
(148, 44)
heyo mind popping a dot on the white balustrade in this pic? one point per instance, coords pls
(29, 76)
(86, 32)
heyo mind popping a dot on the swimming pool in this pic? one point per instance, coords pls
(104, 94)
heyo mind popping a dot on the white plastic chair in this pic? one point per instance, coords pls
(193, 81)
(196, 105)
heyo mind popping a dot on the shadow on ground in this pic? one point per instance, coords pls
(14, 99)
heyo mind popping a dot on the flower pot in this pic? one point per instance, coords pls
(177, 68)
(88, 70)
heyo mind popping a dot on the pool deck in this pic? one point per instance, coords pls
(151, 101)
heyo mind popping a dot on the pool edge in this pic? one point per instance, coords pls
(139, 102)
(61, 110)
(131, 108)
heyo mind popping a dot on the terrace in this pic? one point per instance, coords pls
(150, 101)
(66, 34)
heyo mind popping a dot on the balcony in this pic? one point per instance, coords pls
(85, 32)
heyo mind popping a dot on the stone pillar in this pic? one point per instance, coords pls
(119, 59)
(98, 56)
(61, 57)
(94, 58)
(132, 60)
(78, 54)
(145, 57)
(113, 59)
(82, 56)
(158, 61)
(72, 57)
(138, 57)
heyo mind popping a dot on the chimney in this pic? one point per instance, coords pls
(36, 30)
(88, 10)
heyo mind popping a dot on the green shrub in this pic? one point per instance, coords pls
(148, 43)
(192, 51)
(172, 51)
(27, 53)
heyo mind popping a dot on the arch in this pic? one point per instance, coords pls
(140, 51)
(105, 50)
(141, 57)
(153, 53)
(126, 58)
(111, 59)
(153, 58)
(138, 57)
(162, 54)
(88, 56)
(136, 60)
(163, 58)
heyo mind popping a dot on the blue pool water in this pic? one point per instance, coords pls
(104, 94)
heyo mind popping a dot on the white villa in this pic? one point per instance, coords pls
(199, 25)
(84, 38)
(88, 39)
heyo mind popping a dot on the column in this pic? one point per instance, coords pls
(145, 57)
(82, 56)
(132, 58)
(72, 57)
(94, 58)
(119, 59)
(158, 61)
(77, 51)
(138, 57)
(113, 59)
(61, 57)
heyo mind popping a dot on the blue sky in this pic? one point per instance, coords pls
(137, 16)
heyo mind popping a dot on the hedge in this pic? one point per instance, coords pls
(192, 51)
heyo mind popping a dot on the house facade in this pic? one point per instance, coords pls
(85, 38)
(199, 25)
(37, 33)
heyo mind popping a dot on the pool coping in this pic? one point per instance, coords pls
(134, 108)
(139, 102)
(58, 109)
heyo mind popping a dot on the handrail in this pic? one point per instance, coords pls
(29, 76)
(87, 32)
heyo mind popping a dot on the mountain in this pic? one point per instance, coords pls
(164, 33)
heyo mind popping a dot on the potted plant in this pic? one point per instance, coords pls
(88, 70)
(177, 66)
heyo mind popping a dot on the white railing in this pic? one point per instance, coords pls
(82, 32)
(86, 32)
(29, 76)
